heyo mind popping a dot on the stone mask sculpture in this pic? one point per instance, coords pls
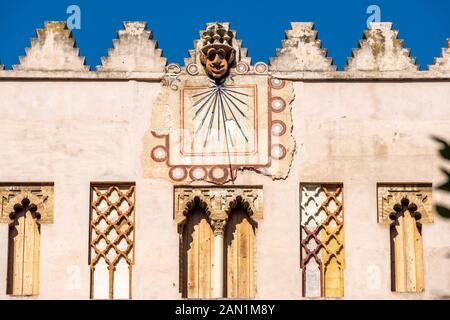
(217, 53)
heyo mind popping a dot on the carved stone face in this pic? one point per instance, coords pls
(217, 61)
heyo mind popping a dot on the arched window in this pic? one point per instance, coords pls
(240, 254)
(405, 208)
(23, 250)
(198, 251)
(25, 207)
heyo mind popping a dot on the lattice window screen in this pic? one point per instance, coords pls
(322, 240)
(112, 240)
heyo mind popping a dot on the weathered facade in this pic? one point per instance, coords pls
(223, 178)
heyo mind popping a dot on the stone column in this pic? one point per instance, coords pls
(219, 227)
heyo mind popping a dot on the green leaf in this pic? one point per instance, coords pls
(445, 186)
(445, 150)
(443, 211)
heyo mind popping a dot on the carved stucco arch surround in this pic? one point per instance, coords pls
(40, 196)
(419, 194)
(217, 202)
(33, 201)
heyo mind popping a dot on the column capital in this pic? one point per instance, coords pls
(218, 226)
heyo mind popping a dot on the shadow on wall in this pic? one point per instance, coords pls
(445, 153)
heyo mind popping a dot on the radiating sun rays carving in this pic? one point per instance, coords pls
(221, 115)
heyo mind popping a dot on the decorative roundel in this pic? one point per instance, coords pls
(192, 69)
(159, 153)
(278, 151)
(178, 173)
(218, 173)
(197, 173)
(276, 83)
(277, 104)
(278, 128)
(242, 67)
(261, 67)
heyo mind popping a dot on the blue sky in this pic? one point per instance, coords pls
(424, 25)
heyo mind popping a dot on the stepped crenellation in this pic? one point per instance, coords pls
(135, 55)
(54, 49)
(442, 63)
(301, 51)
(134, 50)
(381, 50)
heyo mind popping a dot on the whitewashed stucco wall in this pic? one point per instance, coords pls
(359, 133)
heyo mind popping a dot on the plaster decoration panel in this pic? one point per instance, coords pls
(322, 240)
(112, 238)
(219, 115)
